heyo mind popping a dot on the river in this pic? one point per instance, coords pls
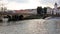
(34, 26)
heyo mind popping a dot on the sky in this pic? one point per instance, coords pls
(28, 4)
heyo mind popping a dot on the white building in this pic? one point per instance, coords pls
(49, 10)
(33, 11)
(55, 10)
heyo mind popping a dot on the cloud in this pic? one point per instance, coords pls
(20, 1)
(16, 5)
(3, 1)
(58, 2)
(49, 3)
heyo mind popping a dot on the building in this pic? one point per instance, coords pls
(27, 11)
(49, 10)
(55, 10)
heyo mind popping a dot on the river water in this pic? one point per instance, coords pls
(34, 26)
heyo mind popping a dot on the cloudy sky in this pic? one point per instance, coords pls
(29, 4)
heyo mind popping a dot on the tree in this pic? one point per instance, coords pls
(45, 10)
(39, 10)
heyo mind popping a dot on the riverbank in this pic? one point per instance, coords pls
(34, 17)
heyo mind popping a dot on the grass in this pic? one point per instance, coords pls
(34, 17)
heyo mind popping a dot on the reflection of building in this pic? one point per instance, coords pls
(55, 10)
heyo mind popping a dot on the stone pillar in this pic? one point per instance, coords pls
(1, 18)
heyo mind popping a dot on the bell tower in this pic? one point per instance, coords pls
(55, 6)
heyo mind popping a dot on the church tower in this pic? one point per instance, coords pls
(55, 6)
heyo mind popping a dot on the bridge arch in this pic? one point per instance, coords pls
(15, 17)
(21, 17)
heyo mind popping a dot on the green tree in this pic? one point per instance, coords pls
(39, 10)
(45, 10)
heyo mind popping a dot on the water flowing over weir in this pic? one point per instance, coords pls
(35, 26)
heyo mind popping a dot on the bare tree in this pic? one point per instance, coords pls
(2, 6)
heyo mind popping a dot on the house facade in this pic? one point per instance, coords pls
(55, 10)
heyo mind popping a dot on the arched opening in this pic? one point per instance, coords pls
(9, 17)
(15, 17)
(20, 17)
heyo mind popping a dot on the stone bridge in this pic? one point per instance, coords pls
(12, 15)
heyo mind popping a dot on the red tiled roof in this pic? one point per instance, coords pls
(21, 11)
